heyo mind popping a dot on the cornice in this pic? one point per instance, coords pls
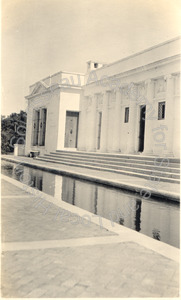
(140, 69)
(53, 88)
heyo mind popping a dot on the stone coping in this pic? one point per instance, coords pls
(122, 182)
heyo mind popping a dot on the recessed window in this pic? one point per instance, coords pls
(161, 110)
(42, 127)
(95, 65)
(126, 117)
(39, 127)
(36, 121)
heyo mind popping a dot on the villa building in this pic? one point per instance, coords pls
(129, 106)
(53, 113)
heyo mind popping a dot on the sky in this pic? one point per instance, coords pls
(42, 37)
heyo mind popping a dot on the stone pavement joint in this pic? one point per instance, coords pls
(63, 243)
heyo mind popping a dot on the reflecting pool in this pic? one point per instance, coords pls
(153, 217)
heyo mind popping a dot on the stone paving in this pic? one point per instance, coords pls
(122, 269)
(125, 270)
(23, 220)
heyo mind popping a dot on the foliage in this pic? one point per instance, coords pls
(13, 129)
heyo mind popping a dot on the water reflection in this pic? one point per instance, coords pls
(138, 215)
(156, 234)
(157, 219)
(121, 221)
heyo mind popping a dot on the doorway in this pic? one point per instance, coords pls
(142, 128)
(99, 131)
(71, 129)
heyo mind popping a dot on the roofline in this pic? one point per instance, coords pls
(95, 61)
(60, 72)
(140, 52)
(56, 86)
(141, 69)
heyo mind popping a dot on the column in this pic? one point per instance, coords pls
(93, 123)
(132, 124)
(104, 125)
(117, 122)
(169, 115)
(151, 116)
(82, 122)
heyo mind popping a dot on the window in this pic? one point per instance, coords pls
(42, 127)
(126, 117)
(39, 127)
(161, 110)
(95, 65)
(36, 120)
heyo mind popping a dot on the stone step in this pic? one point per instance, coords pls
(117, 156)
(139, 159)
(114, 165)
(117, 163)
(139, 173)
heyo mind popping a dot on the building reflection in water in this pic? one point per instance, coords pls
(156, 234)
(138, 215)
(121, 221)
(157, 219)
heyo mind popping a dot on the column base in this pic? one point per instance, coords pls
(91, 150)
(116, 151)
(103, 150)
(168, 154)
(131, 151)
(148, 153)
(81, 149)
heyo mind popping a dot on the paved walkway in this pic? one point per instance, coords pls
(160, 189)
(49, 256)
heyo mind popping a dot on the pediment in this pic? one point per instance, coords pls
(39, 88)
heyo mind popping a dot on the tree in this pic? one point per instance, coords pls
(13, 130)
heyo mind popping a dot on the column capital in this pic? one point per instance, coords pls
(89, 96)
(169, 76)
(106, 95)
(115, 90)
(118, 92)
(149, 80)
(105, 98)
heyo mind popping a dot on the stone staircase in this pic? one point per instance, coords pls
(133, 165)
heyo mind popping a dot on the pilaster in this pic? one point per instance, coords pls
(169, 114)
(149, 118)
(93, 123)
(132, 124)
(82, 122)
(104, 127)
(117, 122)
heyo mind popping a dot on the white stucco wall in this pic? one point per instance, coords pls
(51, 101)
(57, 100)
(162, 67)
(69, 101)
